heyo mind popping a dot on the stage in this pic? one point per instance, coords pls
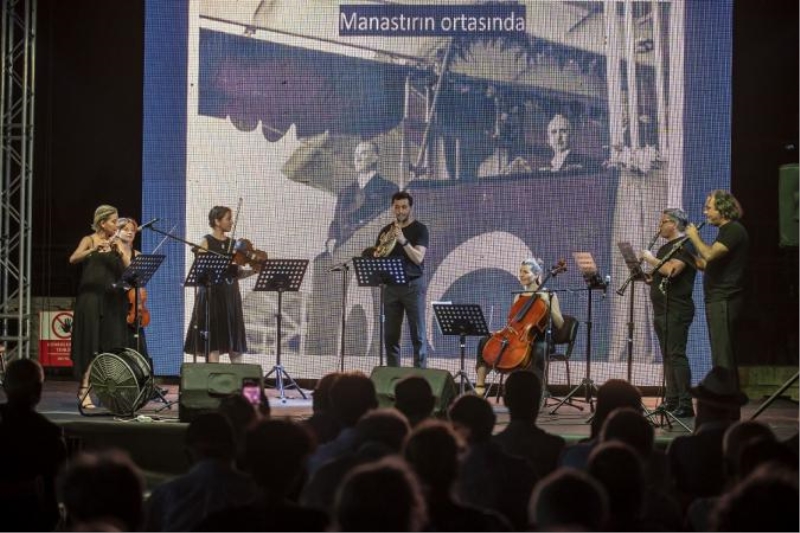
(154, 438)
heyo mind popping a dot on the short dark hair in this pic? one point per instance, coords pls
(403, 195)
(727, 204)
(216, 213)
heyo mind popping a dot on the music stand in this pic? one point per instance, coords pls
(634, 265)
(588, 269)
(136, 276)
(379, 272)
(281, 275)
(207, 269)
(462, 320)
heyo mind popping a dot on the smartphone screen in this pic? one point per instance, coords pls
(252, 391)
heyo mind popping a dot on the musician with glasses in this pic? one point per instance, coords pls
(673, 308)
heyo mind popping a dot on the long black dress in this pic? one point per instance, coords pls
(225, 314)
(99, 321)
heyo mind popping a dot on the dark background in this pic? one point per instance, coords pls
(88, 145)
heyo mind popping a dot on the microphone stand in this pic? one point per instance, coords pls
(193, 246)
(344, 268)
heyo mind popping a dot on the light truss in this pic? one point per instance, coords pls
(17, 50)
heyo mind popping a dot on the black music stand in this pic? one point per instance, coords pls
(207, 269)
(379, 272)
(281, 275)
(136, 276)
(635, 274)
(588, 268)
(462, 320)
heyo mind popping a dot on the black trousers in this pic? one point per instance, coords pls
(673, 334)
(722, 318)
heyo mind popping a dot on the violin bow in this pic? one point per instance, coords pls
(235, 224)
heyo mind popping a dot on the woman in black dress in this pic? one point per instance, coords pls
(128, 228)
(226, 319)
(99, 323)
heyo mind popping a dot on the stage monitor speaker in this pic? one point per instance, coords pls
(788, 202)
(203, 385)
(441, 382)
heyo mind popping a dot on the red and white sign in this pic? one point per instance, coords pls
(55, 338)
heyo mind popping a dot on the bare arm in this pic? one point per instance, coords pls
(85, 247)
(705, 252)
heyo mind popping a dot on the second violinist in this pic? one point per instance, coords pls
(530, 277)
(127, 228)
(225, 326)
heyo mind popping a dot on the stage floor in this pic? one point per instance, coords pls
(154, 438)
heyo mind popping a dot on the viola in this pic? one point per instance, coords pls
(143, 311)
(244, 253)
(510, 347)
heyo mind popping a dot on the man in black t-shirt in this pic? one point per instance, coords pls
(724, 262)
(411, 243)
(673, 308)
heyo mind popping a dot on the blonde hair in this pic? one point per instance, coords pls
(101, 214)
(124, 221)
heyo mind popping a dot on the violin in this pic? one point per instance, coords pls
(143, 311)
(244, 253)
(510, 347)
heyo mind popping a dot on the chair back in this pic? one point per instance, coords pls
(566, 335)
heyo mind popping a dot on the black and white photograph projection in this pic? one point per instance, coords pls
(563, 143)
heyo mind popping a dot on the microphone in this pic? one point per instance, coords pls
(700, 225)
(147, 224)
(606, 283)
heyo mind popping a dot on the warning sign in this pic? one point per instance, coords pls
(55, 338)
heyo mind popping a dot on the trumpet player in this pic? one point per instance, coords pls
(673, 309)
(406, 238)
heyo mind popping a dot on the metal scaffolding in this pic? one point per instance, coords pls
(17, 50)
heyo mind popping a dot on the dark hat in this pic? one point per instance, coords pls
(719, 386)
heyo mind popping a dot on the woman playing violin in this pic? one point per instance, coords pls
(100, 309)
(226, 319)
(530, 276)
(127, 228)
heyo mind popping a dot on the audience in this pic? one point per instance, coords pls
(102, 489)
(275, 455)
(414, 398)
(322, 421)
(612, 395)
(522, 437)
(696, 461)
(212, 484)
(433, 451)
(379, 433)
(32, 451)
(351, 396)
(765, 501)
(490, 476)
(379, 474)
(568, 500)
(381, 496)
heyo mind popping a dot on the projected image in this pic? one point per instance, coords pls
(565, 140)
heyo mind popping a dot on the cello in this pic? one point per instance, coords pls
(510, 347)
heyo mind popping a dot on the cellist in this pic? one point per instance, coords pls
(530, 276)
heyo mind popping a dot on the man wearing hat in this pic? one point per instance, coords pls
(696, 461)
(724, 263)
